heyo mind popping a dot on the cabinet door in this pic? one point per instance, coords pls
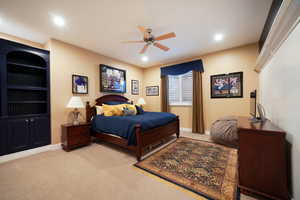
(3, 137)
(18, 134)
(3, 81)
(40, 131)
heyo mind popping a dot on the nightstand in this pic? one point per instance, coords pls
(74, 136)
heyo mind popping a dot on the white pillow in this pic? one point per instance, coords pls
(99, 110)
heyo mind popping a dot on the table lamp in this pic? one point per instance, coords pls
(75, 102)
(141, 101)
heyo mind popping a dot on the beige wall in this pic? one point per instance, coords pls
(65, 60)
(151, 78)
(227, 61)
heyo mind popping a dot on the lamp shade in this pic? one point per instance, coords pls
(141, 101)
(75, 102)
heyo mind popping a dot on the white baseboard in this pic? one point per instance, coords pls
(207, 132)
(190, 130)
(186, 129)
(29, 152)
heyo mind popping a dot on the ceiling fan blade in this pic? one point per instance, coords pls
(132, 41)
(162, 47)
(144, 49)
(165, 36)
(142, 29)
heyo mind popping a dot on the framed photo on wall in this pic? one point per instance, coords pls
(112, 79)
(135, 90)
(152, 91)
(227, 85)
(80, 84)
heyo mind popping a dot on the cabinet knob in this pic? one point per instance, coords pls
(26, 120)
(32, 120)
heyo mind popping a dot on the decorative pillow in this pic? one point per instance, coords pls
(99, 110)
(108, 111)
(115, 103)
(128, 112)
(139, 110)
(113, 110)
(131, 107)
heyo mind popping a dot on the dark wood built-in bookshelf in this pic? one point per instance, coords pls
(24, 97)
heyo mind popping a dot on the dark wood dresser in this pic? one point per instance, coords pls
(262, 159)
(74, 136)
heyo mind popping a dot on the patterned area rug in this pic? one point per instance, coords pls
(205, 168)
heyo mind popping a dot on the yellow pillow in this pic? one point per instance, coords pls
(99, 110)
(108, 110)
(108, 113)
(131, 107)
(113, 110)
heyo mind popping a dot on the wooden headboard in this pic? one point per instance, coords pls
(91, 110)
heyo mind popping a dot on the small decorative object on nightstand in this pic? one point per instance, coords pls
(141, 101)
(74, 136)
(75, 102)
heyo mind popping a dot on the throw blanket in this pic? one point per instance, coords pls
(124, 126)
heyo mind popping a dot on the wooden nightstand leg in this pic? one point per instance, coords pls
(65, 148)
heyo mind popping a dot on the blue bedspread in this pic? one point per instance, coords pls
(123, 126)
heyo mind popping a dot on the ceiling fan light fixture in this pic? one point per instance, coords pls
(149, 39)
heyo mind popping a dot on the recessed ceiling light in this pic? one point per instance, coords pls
(219, 37)
(58, 21)
(145, 58)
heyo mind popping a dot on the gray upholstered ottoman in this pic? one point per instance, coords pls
(224, 131)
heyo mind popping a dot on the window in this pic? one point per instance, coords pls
(181, 89)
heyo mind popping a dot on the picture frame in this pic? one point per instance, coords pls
(226, 85)
(80, 84)
(152, 91)
(135, 90)
(112, 80)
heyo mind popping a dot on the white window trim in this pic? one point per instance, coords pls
(181, 104)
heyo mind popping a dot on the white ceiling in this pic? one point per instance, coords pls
(100, 25)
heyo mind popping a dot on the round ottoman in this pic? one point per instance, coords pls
(224, 131)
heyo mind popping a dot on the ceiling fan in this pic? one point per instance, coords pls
(149, 39)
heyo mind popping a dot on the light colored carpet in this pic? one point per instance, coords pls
(98, 171)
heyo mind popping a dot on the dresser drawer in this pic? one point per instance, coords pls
(79, 131)
(80, 139)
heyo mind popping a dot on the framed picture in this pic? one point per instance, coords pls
(135, 87)
(112, 80)
(227, 85)
(79, 84)
(152, 91)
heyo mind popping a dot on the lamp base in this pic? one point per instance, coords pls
(75, 117)
(75, 122)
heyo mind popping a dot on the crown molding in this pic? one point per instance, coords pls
(288, 17)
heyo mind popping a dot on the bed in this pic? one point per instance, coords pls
(134, 133)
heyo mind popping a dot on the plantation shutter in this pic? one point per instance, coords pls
(187, 87)
(181, 88)
(174, 89)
